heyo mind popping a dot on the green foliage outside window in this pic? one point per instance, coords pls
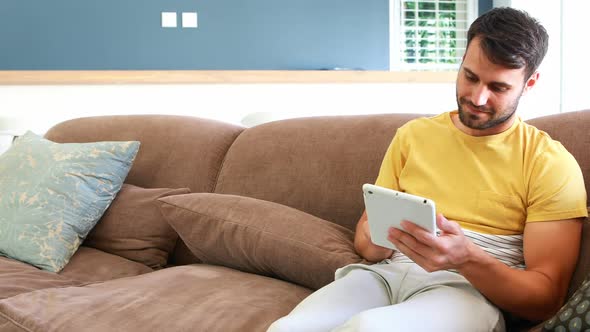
(430, 32)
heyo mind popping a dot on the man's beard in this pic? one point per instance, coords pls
(496, 118)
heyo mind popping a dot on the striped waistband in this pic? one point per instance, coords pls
(506, 248)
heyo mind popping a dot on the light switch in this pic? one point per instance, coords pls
(169, 20)
(189, 20)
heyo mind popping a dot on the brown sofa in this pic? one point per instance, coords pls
(269, 217)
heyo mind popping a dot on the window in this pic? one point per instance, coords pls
(429, 34)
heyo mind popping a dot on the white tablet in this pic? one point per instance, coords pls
(388, 208)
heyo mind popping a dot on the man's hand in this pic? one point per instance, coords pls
(450, 250)
(536, 293)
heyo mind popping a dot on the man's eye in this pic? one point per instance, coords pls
(500, 89)
(471, 78)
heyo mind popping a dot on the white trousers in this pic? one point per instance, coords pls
(393, 297)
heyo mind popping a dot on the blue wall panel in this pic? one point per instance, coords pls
(236, 34)
(484, 6)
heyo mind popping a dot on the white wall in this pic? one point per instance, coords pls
(565, 69)
(545, 98)
(44, 106)
(576, 52)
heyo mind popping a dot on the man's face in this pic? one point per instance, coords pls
(487, 93)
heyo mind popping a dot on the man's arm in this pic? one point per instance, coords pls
(550, 253)
(363, 244)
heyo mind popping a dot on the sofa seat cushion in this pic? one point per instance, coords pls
(17, 277)
(88, 265)
(8, 326)
(183, 298)
(92, 265)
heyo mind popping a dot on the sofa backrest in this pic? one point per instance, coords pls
(175, 151)
(316, 165)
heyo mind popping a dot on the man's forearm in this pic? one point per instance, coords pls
(527, 294)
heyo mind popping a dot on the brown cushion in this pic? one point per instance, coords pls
(260, 237)
(133, 228)
(92, 265)
(183, 298)
(18, 277)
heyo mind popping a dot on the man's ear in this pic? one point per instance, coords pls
(530, 83)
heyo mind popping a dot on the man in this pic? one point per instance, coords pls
(510, 202)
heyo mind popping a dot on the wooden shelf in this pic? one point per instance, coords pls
(75, 77)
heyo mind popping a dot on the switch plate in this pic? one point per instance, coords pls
(189, 20)
(169, 20)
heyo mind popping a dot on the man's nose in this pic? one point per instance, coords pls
(480, 95)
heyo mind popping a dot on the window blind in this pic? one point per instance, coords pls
(430, 34)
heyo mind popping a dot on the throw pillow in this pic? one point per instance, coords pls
(575, 314)
(260, 237)
(51, 195)
(133, 227)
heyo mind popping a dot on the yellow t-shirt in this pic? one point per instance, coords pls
(489, 184)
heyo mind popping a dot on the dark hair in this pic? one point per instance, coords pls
(511, 38)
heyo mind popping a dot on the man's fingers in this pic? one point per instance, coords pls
(417, 245)
(418, 232)
(415, 256)
(422, 247)
(445, 225)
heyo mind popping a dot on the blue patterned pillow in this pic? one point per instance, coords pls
(52, 195)
(574, 315)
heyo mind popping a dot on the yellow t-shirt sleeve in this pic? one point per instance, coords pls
(556, 189)
(391, 165)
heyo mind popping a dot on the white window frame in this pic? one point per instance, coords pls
(397, 36)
